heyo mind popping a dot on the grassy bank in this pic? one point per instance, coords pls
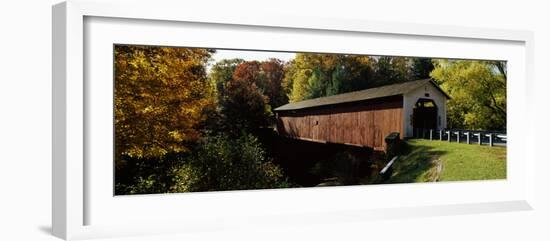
(427, 161)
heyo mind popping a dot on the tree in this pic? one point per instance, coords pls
(318, 84)
(318, 75)
(271, 76)
(160, 97)
(290, 71)
(217, 162)
(421, 68)
(244, 105)
(222, 162)
(352, 73)
(391, 70)
(253, 90)
(478, 91)
(221, 73)
(296, 78)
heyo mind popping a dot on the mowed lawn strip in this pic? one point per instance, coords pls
(427, 161)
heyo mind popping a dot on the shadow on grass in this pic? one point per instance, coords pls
(414, 162)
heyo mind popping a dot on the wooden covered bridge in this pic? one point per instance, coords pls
(366, 117)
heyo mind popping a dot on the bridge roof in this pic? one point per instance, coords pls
(366, 94)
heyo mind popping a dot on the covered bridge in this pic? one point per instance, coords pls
(366, 117)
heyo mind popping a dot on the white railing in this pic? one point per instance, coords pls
(490, 138)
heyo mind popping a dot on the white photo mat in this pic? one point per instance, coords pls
(84, 159)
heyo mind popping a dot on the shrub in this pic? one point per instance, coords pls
(222, 163)
(148, 175)
(217, 163)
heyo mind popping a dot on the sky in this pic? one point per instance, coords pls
(250, 55)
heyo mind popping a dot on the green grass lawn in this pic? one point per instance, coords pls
(428, 161)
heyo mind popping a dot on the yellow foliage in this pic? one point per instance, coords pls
(160, 97)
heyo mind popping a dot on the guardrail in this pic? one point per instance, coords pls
(491, 138)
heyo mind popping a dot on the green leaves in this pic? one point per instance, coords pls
(225, 163)
(478, 90)
(317, 75)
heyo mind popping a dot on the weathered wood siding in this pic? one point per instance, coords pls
(364, 123)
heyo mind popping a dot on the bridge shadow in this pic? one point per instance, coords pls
(309, 163)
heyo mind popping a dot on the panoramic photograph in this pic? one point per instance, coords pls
(192, 119)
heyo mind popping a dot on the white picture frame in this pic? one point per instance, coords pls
(77, 194)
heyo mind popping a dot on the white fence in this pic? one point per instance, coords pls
(491, 138)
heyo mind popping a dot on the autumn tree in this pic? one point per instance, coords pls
(244, 105)
(298, 71)
(251, 92)
(160, 96)
(478, 91)
(272, 73)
